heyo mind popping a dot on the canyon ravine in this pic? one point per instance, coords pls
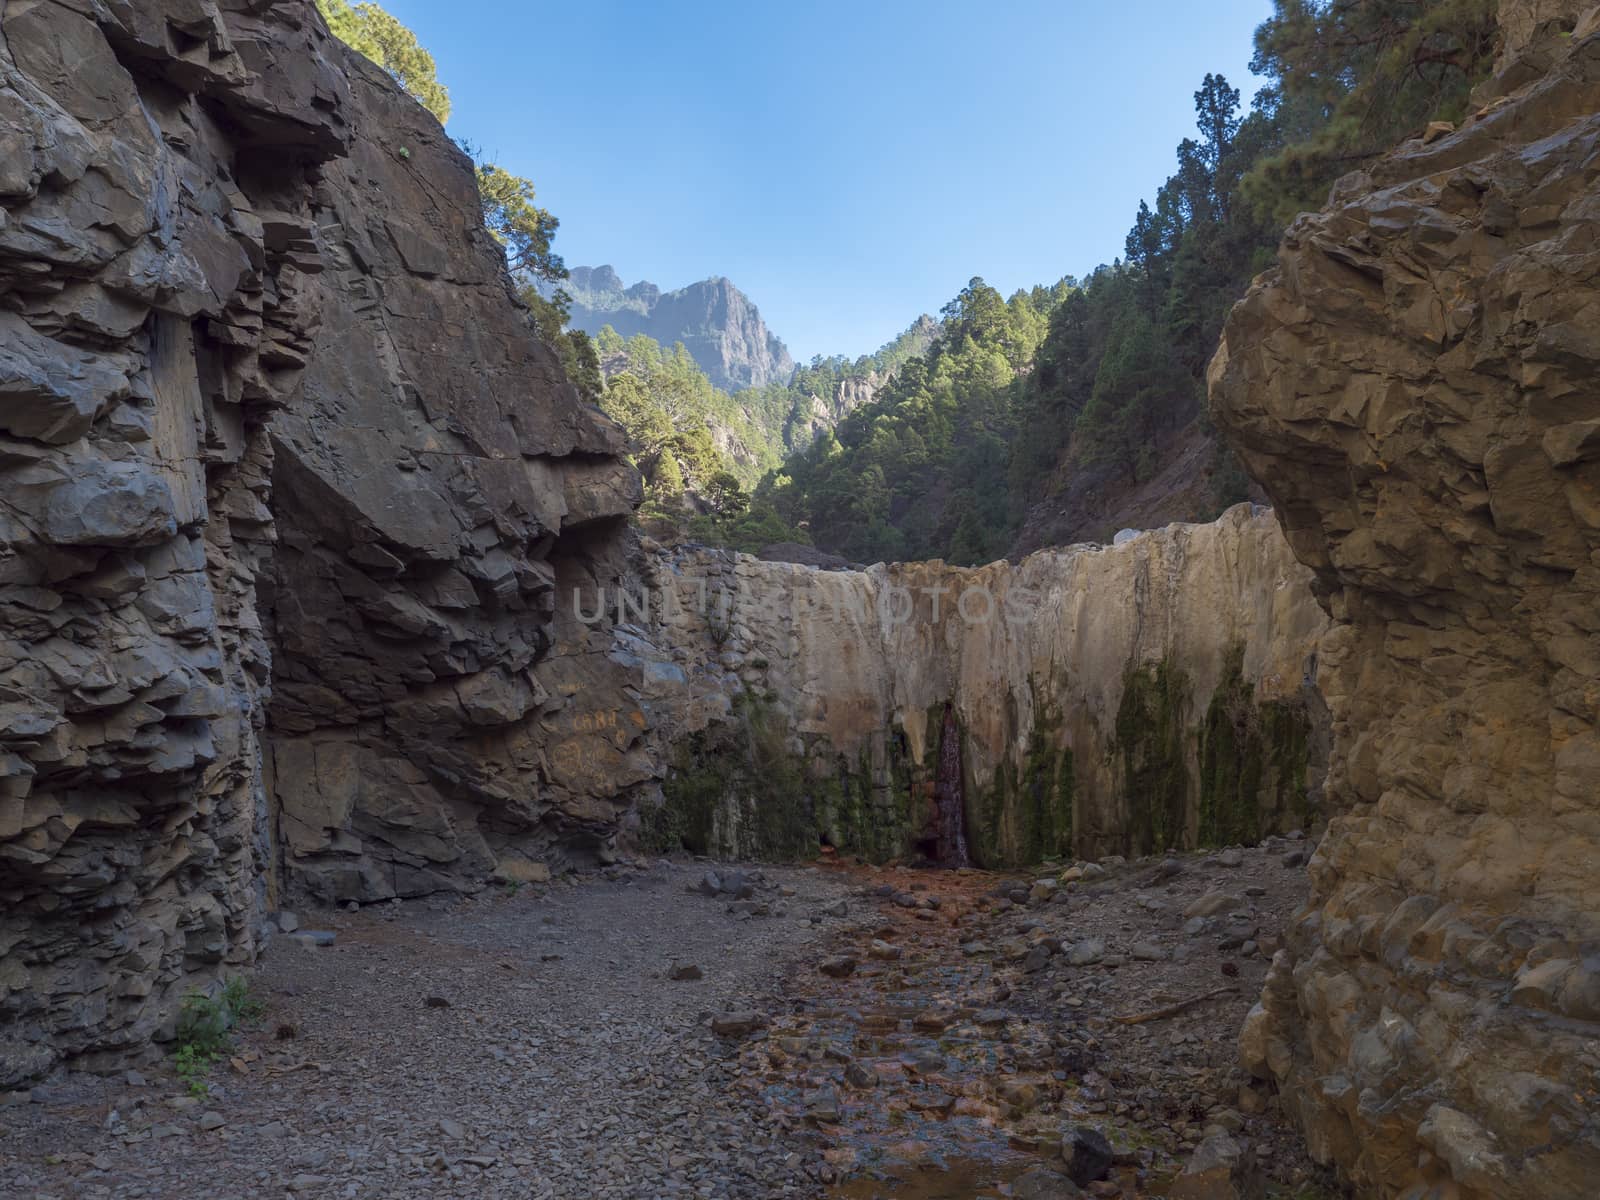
(321, 605)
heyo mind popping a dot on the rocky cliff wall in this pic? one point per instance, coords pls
(197, 200)
(1415, 385)
(1103, 699)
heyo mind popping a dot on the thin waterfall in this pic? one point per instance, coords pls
(949, 796)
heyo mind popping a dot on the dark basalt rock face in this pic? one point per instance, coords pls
(285, 478)
(1416, 387)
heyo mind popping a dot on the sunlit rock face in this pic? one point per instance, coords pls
(1416, 387)
(270, 422)
(1106, 699)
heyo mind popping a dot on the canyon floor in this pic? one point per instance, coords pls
(835, 1030)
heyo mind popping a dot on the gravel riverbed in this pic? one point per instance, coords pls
(847, 1031)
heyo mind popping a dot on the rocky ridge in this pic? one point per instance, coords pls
(716, 322)
(1414, 385)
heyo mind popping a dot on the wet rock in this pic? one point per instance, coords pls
(1087, 1153)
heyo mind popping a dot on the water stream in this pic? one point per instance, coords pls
(949, 795)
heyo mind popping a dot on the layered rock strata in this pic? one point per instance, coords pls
(1416, 387)
(197, 200)
(1107, 699)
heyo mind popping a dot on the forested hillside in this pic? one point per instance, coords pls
(1056, 416)
(1050, 416)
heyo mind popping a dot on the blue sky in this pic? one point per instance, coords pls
(848, 163)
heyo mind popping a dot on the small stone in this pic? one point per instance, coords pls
(288, 922)
(684, 971)
(1044, 1183)
(452, 1129)
(924, 1062)
(1230, 858)
(884, 950)
(823, 1108)
(858, 1075)
(1148, 952)
(1093, 873)
(738, 1024)
(436, 1002)
(1220, 1169)
(1086, 952)
(1212, 903)
(1295, 858)
(838, 966)
(837, 909)
(313, 937)
(211, 1120)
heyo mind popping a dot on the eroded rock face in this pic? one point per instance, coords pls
(196, 200)
(433, 460)
(1415, 385)
(1106, 699)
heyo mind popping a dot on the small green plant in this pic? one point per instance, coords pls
(205, 1030)
(193, 1065)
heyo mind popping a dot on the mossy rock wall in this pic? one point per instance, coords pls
(1232, 772)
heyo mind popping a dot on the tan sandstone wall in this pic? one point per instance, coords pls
(855, 668)
(1418, 387)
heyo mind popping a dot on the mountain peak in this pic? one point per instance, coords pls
(718, 324)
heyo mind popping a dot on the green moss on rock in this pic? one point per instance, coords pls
(1253, 762)
(1149, 743)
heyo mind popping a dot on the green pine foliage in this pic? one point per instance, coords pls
(369, 30)
(1006, 402)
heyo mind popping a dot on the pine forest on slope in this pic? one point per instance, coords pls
(1050, 416)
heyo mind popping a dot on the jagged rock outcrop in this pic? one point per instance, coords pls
(432, 460)
(1105, 699)
(1416, 386)
(815, 415)
(717, 323)
(268, 418)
